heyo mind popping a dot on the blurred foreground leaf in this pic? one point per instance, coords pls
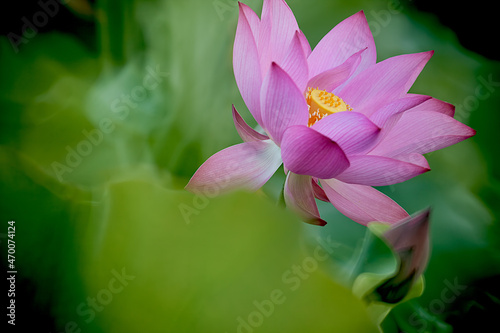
(234, 267)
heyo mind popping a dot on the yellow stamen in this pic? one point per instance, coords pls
(322, 103)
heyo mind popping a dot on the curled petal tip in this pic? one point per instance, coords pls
(318, 222)
(410, 240)
(428, 55)
(246, 133)
(299, 197)
(411, 231)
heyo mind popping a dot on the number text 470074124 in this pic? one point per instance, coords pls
(11, 272)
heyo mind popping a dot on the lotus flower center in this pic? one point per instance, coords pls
(322, 103)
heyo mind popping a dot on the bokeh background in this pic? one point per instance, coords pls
(108, 107)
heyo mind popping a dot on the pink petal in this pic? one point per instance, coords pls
(295, 63)
(412, 235)
(307, 152)
(305, 44)
(282, 103)
(247, 134)
(278, 26)
(374, 170)
(332, 78)
(299, 197)
(435, 105)
(414, 158)
(246, 62)
(353, 131)
(318, 191)
(247, 165)
(422, 132)
(253, 20)
(348, 37)
(384, 82)
(395, 109)
(362, 203)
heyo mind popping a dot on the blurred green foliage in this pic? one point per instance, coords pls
(95, 149)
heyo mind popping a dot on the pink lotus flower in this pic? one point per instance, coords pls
(339, 121)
